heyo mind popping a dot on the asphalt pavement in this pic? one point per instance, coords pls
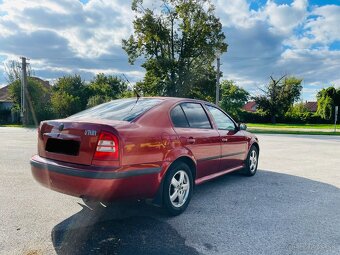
(291, 206)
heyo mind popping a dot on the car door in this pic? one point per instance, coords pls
(233, 141)
(196, 133)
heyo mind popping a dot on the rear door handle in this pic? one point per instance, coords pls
(224, 140)
(191, 140)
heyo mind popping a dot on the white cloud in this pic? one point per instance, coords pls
(90, 29)
(319, 30)
(324, 28)
(235, 14)
(284, 18)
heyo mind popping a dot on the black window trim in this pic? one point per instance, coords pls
(212, 117)
(193, 102)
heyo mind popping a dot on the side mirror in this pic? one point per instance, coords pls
(242, 126)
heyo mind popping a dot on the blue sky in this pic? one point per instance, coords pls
(276, 37)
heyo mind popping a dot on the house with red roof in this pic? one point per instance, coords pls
(311, 106)
(250, 106)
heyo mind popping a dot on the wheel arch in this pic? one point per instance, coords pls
(257, 147)
(158, 199)
(187, 160)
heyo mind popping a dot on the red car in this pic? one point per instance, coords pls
(142, 148)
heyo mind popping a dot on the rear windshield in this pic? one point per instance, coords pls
(121, 109)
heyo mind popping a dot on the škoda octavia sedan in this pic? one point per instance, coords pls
(154, 148)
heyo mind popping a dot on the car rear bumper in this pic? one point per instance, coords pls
(99, 183)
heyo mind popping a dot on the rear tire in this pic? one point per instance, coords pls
(177, 189)
(251, 162)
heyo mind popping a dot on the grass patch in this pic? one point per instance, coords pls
(297, 129)
(287, 126)
(12, 125)
(292, 132)
(18, 126)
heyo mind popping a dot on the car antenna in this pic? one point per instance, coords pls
(134, 90)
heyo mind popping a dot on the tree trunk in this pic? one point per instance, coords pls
(273, 119)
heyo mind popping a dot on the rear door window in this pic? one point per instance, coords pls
(196, 115)
(178, 117)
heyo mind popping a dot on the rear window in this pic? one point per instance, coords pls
(122, 109)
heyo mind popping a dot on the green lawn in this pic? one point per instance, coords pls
(18, 125)
(293, 132)
(299, 129)
(287, 126)
(11, 125)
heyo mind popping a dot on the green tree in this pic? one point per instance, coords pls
(70, 95)
(107, 86)
(233, 98)
(327, 99)
(64, 104)
(178, 44)
(278, 96)
(96, 100)
(37, 97)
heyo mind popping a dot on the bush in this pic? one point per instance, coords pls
(253, 117)
(291, 118)
(299, 114)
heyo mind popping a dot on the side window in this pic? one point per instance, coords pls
(196, 115)
(222, 121)
(178, 118)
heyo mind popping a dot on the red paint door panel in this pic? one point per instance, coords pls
(205, 146)
(233, 142)
(234, 146)
(196, 133)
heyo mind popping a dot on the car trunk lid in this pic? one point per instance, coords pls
(72, 141)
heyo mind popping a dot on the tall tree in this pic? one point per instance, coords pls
(107, 86)
(70, 95)
(328, 98)
(233, 98)
(278, 96)
(13, 70)
(178, 43)
(38, 97)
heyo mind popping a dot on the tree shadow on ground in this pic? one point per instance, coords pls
(280, 212)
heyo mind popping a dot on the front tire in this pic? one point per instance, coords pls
(178, 187)
(251, 162)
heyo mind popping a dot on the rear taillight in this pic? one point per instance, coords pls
(107, 147)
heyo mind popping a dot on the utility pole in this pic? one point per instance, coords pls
(218, 79)
(335, 116)
(23, 111)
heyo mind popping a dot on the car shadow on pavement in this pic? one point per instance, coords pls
(232, 207)
(120, 228)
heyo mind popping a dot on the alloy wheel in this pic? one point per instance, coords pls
(179, 188)
(253, 161)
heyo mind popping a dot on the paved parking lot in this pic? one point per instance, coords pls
(292, 206)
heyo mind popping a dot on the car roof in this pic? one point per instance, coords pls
(179, 99)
